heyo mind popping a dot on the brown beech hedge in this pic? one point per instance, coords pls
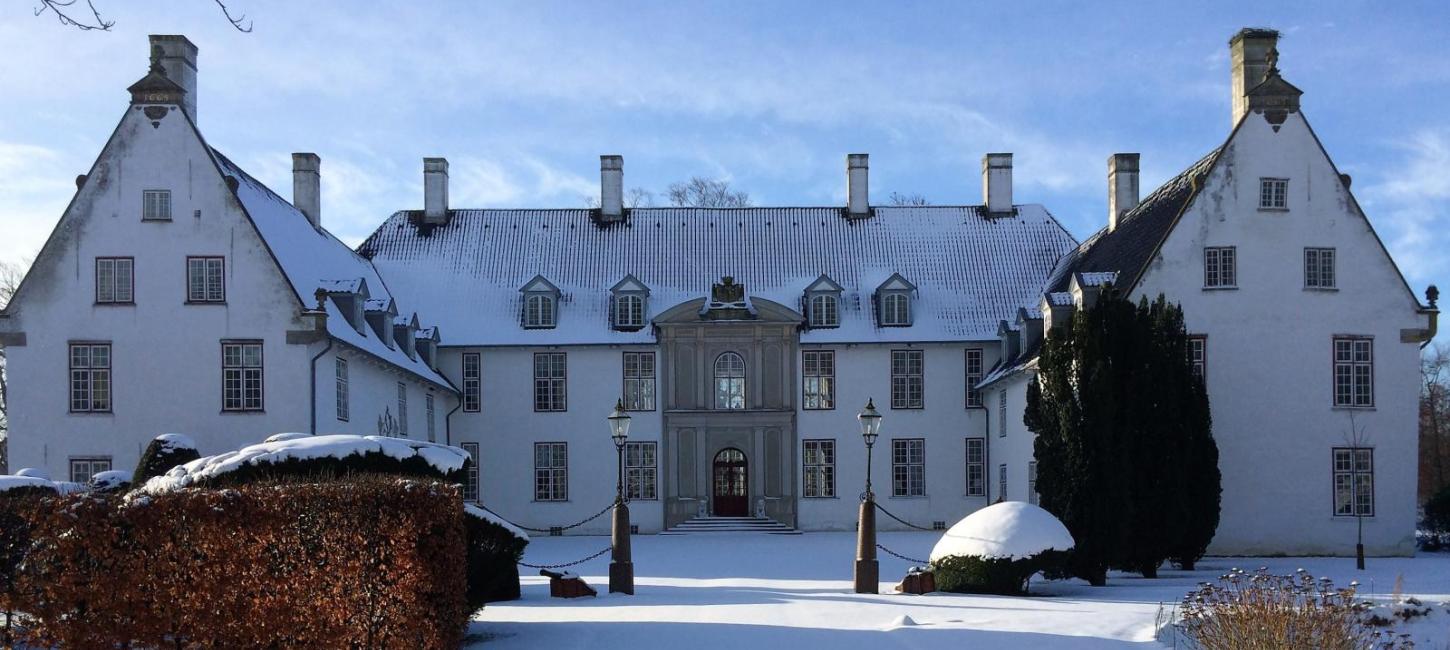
(372, 562)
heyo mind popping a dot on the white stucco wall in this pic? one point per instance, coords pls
(372, 393)
(1013, 449)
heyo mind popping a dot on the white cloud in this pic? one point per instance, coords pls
(1411, 204)
(35, 185)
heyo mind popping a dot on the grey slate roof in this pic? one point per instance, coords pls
(970, 271)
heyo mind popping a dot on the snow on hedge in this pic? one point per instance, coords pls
(1010, 530)
(443, 458)
(281, 437)
(174, 441)
(33, 472)
(110, 480)
(475, 511)
(8, 483)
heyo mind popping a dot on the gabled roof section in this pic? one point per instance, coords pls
(824, 283)
(539, 284)
(630, 284)
(896, 283)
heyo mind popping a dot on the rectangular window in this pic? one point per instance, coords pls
(1353, 482)
(1319, 268)
(342, 389)
(974, 376)
(1032, 482)
(205, 280)
(976, 467)
(1002, 482)
(1198, 356)
(1220, 267)
(1273, 194)
(818, 460)
(549, 378)
(551, 471)
(156, 205)
(115, 280)
(1002, 413)
(908, 467)
(639, 381)
(472, 382)
(428, 413)
(1353, 371)
(639, 470)
(470, 480)
(90, 377)
(906, 379)
(241, 376)
(819, 383)
(82, 469)
(402, 409)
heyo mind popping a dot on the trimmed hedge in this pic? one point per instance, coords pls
(372, 562)
(330, 468)
(971, 574)
(493, 555)
(160, 456)
(19, 507)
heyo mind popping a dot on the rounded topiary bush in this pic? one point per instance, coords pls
(494, 549)
(995, 550)
(165, 452)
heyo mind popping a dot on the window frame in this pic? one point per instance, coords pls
(558, 474)
(1219, 268)
(93, 461)
(341, 372)
(1318, 274)
(1002, 412)
(471, 485)
(970, 357)
(639, 474)
(89, 372)
(146, 202)
(261, 376)
(636, 385)
(979, 487)
(472, 385)
(824, 390)
(905, 379)
(904, 317)
(1273, 194)
(403, 409)
(619, 311)
(823, 469)
(816, 315)
(1353, 365)
(1198, 358)
(555, 386)
(904, 468)
(536, 320)
(1002, 482)
(429, 413)
(734, 384)
(1032, 482)
(207, 297)
(114, 261)
(1353, 472)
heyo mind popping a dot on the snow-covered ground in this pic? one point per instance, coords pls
(762, 592)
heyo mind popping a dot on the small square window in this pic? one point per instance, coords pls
(156, 205)
(1273, 194)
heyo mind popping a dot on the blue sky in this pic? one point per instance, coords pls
(523, 97)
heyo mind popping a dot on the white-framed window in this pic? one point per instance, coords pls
(206, 279)
(156, 205)
(1220, 267)
(628, 311)
(115, 280)
(1002, 413)
(242, 375)
(825, 310)
(1002, 482)
(976, 467)
(895, 309)
(730, 382)
(1032, 482)
(1198, 356)
(640, 470)
(470, 479)
(402, 409)
(907, 379)
(974, 376)
(1353, 371)
(639, 381)
(472, 382)
(818, 468)
(551, 471)
(428, 414)
(550, 379)
(539, 311)
(818, 384)
(1319, 268)
(90, 377)
(1353, 482)
(83, 468)
(1273, 194)
(340, 370)
(908, 467)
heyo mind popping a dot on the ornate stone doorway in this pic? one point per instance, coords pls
(731, 494)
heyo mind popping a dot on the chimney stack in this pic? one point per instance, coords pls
(611, 189)
(1122, 186)
(1249, 58)
(858, 197)
(307, 186)
(435, 191)
(177, 57)
(997, 183)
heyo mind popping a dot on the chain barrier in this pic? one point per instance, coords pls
(899, 519)
(903, 557)
(550, 531)
(566, 564)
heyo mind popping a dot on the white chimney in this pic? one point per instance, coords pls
(177, 57)
(858, 196)
(997, 183)
(611, 188)
(435, 191)
(307, 186)
(1122, 186)
(1249, 59)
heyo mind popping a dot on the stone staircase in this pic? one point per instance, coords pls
(702, 525)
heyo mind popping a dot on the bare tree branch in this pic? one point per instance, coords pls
(910, 200)
(700, 192)
(58, 7)
(236, 22)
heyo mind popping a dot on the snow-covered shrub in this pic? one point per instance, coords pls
(116, 480)
(995, 550)
(494, 549)
(165, 452)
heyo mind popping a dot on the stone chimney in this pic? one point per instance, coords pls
(997, 183)
(177, 57)
(1249, 58)
(1122, 186)
(435, 191)
(307, 186)
(858, 198)
(611, 189)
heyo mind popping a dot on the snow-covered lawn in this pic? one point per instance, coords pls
(763, 592)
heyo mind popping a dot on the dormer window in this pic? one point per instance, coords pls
(893, 302)
(349, 296)
(823, 303)
(541, 302)
(629, 299)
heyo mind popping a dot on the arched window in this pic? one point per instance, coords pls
(729, 382)
(539, 311)
(896, 309)
(825, 311)
(628, 312)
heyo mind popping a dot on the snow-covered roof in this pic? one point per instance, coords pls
(312, 259)
(970, 272)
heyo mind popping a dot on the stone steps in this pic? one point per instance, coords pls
(701, 525)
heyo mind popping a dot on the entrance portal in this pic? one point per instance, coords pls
(731, 496)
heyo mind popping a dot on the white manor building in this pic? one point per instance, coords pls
(177, 293)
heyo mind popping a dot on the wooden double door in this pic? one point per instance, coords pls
(731, 488)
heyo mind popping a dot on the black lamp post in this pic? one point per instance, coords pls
(621, 564)
(868, 575)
